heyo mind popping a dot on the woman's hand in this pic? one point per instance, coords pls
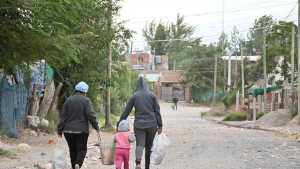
(159, 130)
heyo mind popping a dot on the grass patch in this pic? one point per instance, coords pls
(259, 115)
(235, 116)
(53, 119)
(203, 114)
(7, 153)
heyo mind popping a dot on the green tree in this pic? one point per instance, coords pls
(181, 32)
(260, 25)
(157, 36)
(72, 36)
(279, 43)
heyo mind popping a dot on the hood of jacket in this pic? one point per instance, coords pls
(141, 85)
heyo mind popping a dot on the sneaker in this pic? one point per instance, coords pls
(77, 166)
(138, 167)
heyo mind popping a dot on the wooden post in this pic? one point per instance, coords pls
(237, 101)
(293, 68)
(235, 72)
(254, 108)
(272, 102)
(298, 79)
(243, 76)
(215, 80)
(265, 72)
(229, 73)
(109, 64)
(259, 103)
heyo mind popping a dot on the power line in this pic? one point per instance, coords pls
(204, 37)
(290, 13)
(212, 12)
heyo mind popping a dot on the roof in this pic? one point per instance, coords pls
(171, 77)
(238, 58)
(152, 77)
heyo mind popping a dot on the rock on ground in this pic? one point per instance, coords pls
(275, 119)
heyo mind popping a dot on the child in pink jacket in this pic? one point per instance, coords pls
(123, 138)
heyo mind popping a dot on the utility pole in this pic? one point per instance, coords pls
(235, 71)
(254, 108)
(264, 105)
(298, 77)
(243, 75)
(215, 79)
(229, 73)
(223, 41)
(293, 67)
(108, 82)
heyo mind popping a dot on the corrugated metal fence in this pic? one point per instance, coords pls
(205, 95)
(13, 101)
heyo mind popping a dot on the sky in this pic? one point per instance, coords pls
(205, 15)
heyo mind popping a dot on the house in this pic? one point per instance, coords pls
(171, 84)
(141, 61)
(168, 84)
(252, 59)
(145, 61)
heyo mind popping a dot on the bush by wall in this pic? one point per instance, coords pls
(236, 116)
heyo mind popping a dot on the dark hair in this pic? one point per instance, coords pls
(77, 91)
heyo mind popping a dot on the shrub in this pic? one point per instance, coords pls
(235, 116)
(258, 115)
(229, 98)
(7, 154)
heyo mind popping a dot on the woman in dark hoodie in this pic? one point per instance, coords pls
(147, 121)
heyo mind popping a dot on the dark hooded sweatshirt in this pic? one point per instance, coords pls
(147, 110)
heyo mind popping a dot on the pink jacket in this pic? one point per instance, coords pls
(123, 140)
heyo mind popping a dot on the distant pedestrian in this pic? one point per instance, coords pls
(175, 102)
(74, 123)
(147, 121)
(123, 138)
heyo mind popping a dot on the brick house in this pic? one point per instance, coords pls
(145, 61)
(172, 84)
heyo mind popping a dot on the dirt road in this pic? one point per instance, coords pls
(199, 144)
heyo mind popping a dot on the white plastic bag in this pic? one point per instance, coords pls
(60, 159)
(159, 148)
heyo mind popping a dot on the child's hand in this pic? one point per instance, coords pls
(131, 138)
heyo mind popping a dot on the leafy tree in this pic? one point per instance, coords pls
(223, 44)
(261, 24)
(157, 35)
(254, 46)
(199, 67)
(18, 41)
(72, 36)
(181, 33)
(175, 37)
(279, 43)
(235, 41)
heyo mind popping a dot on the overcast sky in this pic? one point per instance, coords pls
(205, 15)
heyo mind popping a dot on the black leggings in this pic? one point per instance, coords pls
(77, 146)
(144, 140)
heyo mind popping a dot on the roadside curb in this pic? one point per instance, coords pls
(252, 128)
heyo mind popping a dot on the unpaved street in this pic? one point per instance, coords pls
(199, 144)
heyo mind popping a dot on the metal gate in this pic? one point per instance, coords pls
(13, 100)
(167, 93)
